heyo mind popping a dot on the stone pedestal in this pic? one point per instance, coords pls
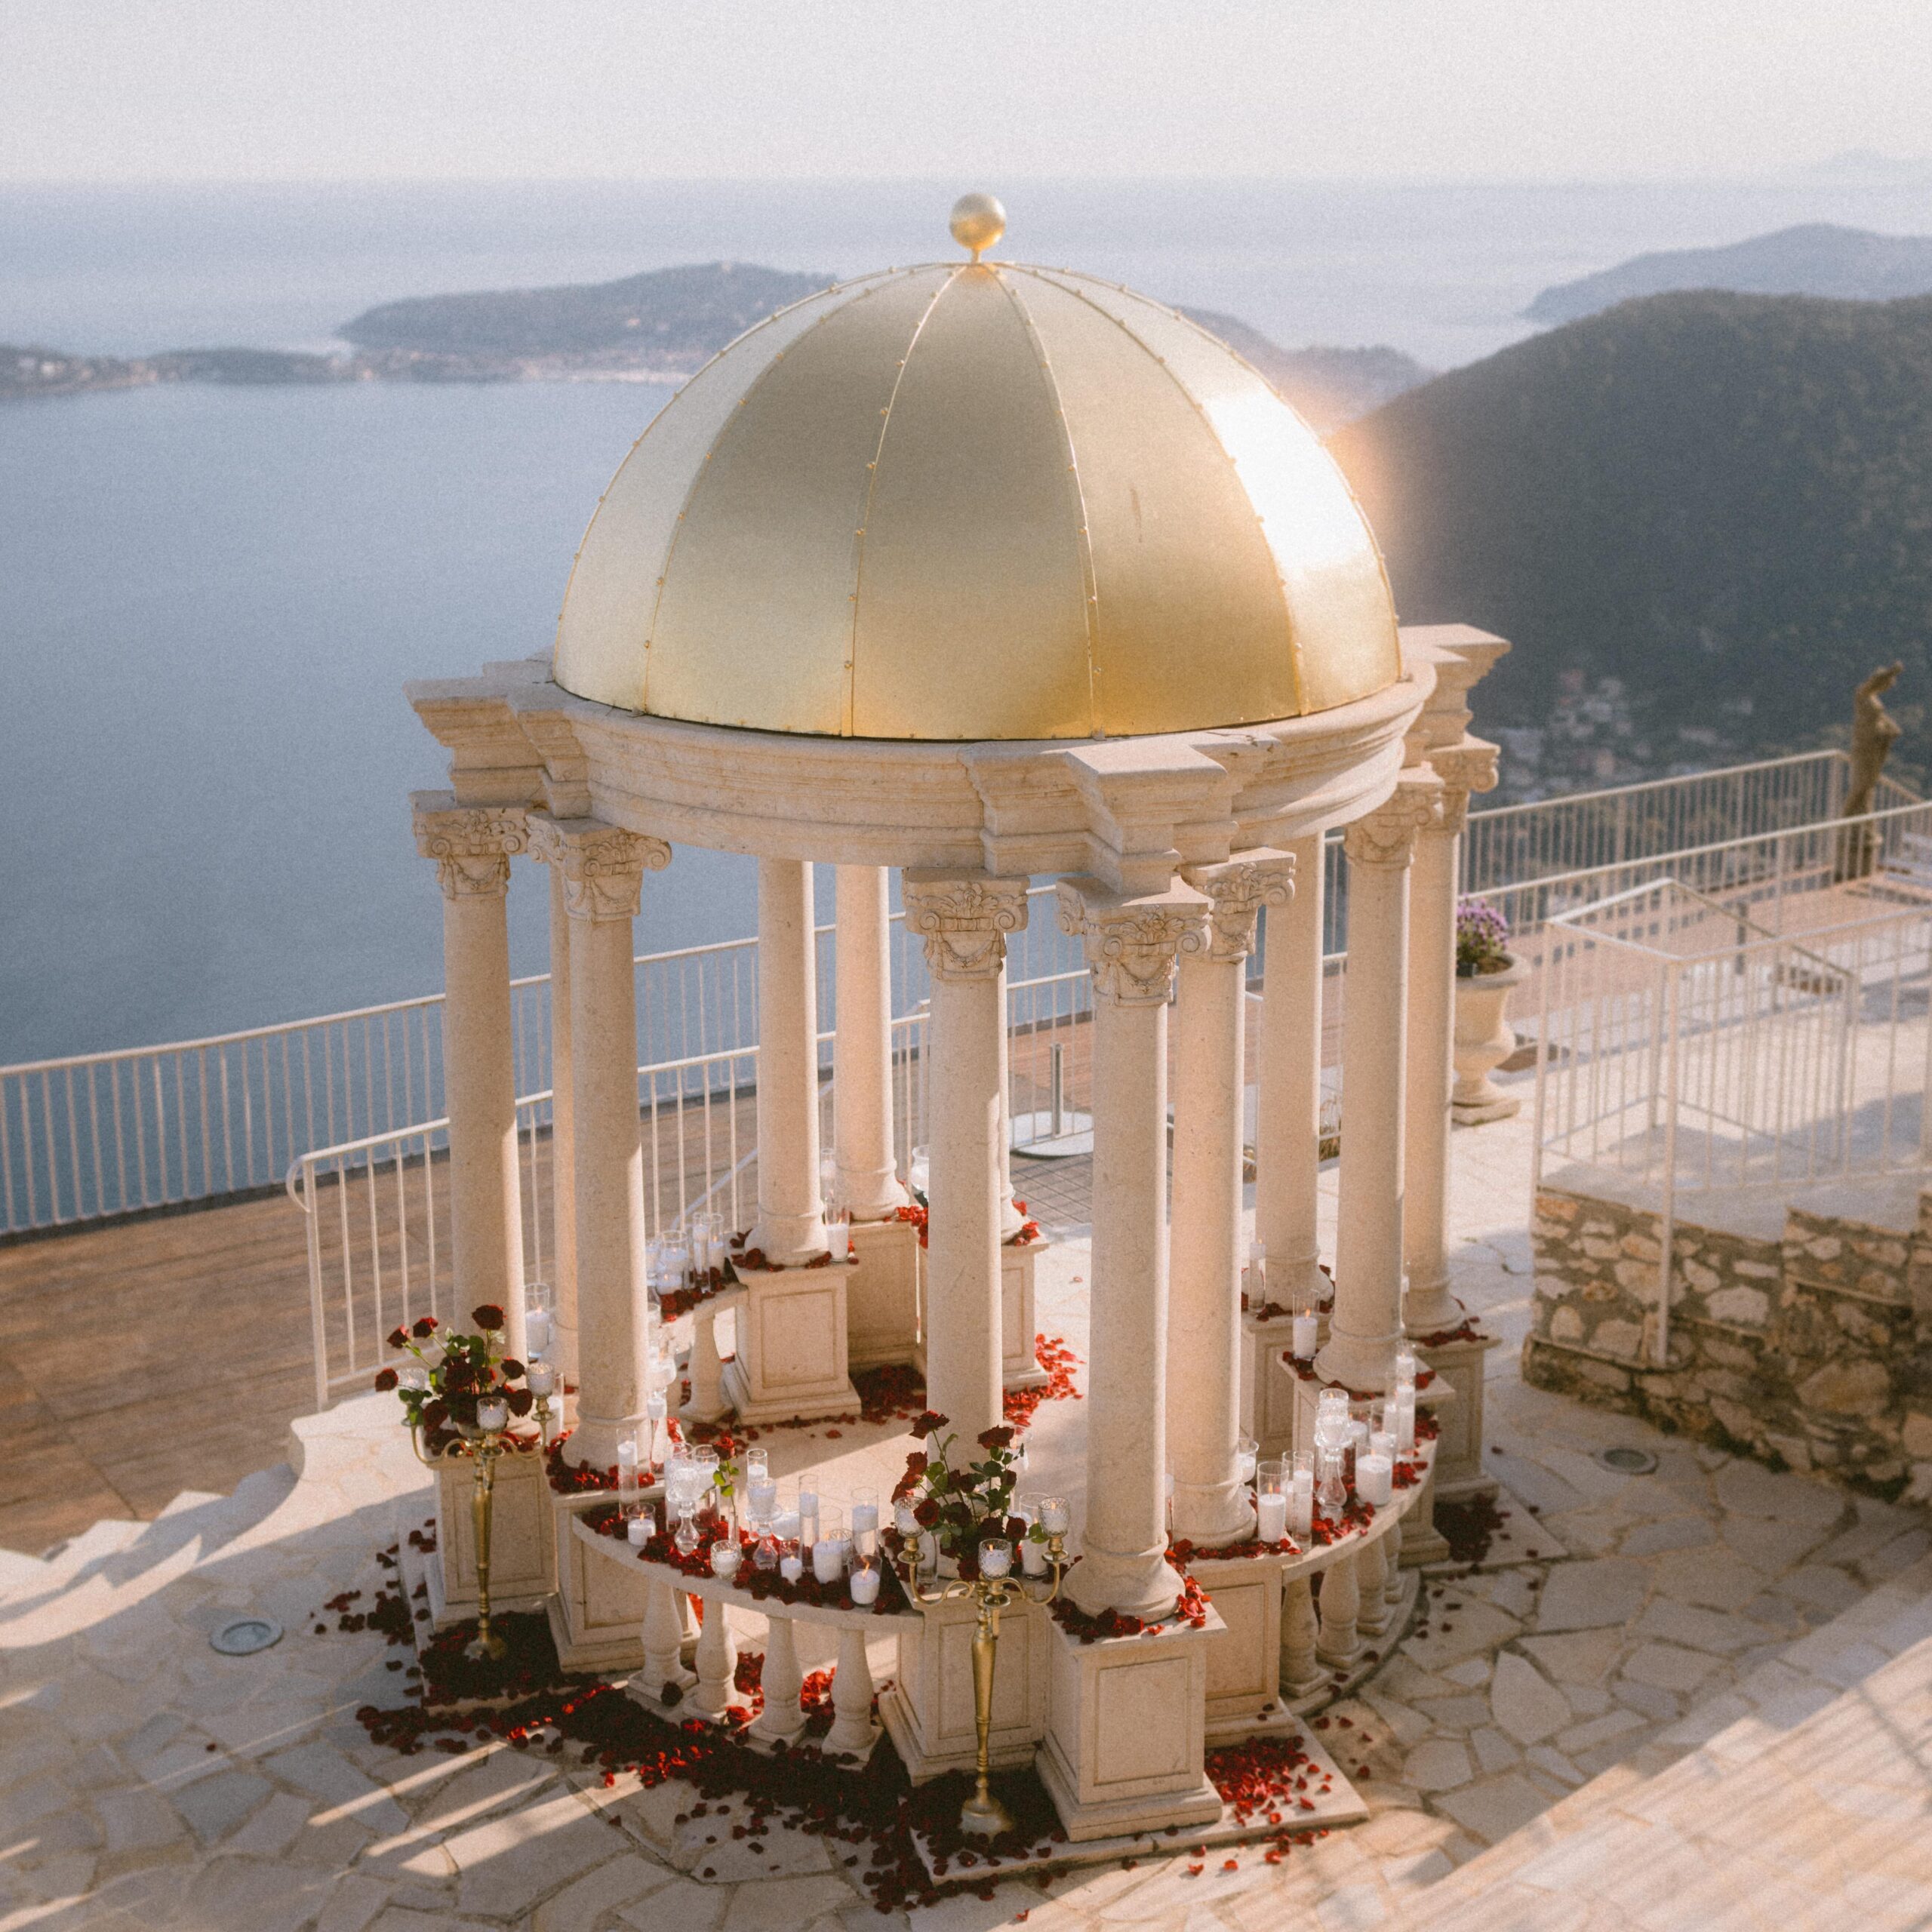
(1126, 1732)
(597, 1614)
(791, 1363)
(1019, 1367)
(928, 1709)
(1460, 1364)
(882, 1293)
(523, 1569)
(1244, 1660)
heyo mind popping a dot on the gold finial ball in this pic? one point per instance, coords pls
(978, 221)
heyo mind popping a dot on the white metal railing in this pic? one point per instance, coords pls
(1685, 1047)
(98, 1134)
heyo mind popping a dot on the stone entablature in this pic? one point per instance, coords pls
(1814, 1350)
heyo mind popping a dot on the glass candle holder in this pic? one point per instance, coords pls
(725, 1557)
(1307, 1335)
(627, 1481)
(1247, 1451)
(1301, 1495)
(864, 1584)
(1374, 1478)
(1270, 1502)
(791, 1566)
(995, 1557)
(641, 1528)
(1331, 1492)
(865, 1521)
(1054, 1516)
(903, 1518)
(493, 1414)
(539, 1377)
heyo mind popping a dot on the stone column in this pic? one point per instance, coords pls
(563, 1143)
(1287, 1156)
(862, 1046)
(1210, 1505)
(1360, 1351)
(472, 847)
(1131, 945)
(965, 919)
(1468, 767)
(1010, 1219)
(603, 867)
(791, 1214)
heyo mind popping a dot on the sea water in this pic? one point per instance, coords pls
(211, 598)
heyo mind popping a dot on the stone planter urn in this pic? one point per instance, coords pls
(1484, 1040)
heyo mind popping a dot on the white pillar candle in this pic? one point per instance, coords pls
(808, 1515)
(1382, 1442)
(865, 1587)
(537, 1328)
(791, 1567)
(787, 1527)
(1033, 1558)
(828, 1560)
(725, 1560)
(763, 1500)
(1374, 1479)
(1405, 1423)
(1307, 1335)
(1271, 1510)
(639, 1529)
(865, 1523)
(1301, 1505)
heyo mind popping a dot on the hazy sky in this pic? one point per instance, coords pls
(122, 90)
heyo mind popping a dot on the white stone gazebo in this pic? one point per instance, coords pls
(989, 573)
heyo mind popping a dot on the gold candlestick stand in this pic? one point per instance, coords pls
(982, 1815)
(482, 1450)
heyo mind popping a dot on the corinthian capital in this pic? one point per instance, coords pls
(965, 919)
(471, 844)
(1236, 892)
(603, 866)
(1132, 944)
(1386, 836)
(1470, 766)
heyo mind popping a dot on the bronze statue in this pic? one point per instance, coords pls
(1874, 732)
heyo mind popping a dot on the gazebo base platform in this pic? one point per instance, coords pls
(1328, 1800)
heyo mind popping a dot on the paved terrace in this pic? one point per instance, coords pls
(1701, 1697)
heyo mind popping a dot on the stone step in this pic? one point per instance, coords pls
(1805, 1798)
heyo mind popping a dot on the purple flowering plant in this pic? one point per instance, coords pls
(1482, 938)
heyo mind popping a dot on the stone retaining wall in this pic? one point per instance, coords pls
(1814, 1351)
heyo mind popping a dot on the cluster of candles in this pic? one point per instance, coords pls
(686, 1258)
(1284, 1491)
(1048, 1513)
(1307, 1324)
(787, 1531)
(1357, 1441)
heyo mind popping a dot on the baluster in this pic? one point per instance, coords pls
(663, 1639)
(1341, 1603)
(717, 1661)
(1372, 1574)
(852, 1727)
(1393, 1587)
(783, 1718)
(707, 1370)
(1301, 1674)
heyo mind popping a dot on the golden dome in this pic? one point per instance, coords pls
(976, 501)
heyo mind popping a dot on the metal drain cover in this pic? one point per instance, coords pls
(1627, 1462)
(246, 1635)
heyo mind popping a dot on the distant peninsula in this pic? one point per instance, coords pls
(658, 327)
(1851, 264)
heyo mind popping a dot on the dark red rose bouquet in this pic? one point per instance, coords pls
(960, 1505)
(451, 1374)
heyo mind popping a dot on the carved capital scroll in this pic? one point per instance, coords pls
(1132, 945)
(471, 844)
(1468, 766)
(1386, 836)
(603, 866)
(1236, 891)
(965, 919)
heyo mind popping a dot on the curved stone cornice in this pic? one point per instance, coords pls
(965, 919)
(471, 844)
(1386, 836)
(1132, 945)
(1236, 893)
(603, 866)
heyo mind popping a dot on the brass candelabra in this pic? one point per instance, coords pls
(982, 1815)
(482, 1450)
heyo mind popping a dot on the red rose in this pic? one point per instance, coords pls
(996, 1438)
(916, 1464)
(520, 1401)
(928, 1424)
(398, 1338)
(511, 1369)
(926, 1513)
(435, 1414)
(386, 1379)
(424, 1327)
(489, 1317)
(1016, 1529)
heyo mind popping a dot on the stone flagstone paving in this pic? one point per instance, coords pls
(1655, 1647)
